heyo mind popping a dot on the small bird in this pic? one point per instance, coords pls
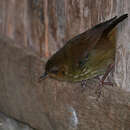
(87, 55)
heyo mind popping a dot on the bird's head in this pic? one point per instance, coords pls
(55, 69)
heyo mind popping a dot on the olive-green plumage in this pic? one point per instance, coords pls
(86, 55)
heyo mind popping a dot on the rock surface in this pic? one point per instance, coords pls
(7, 123)
(54, 105)
(43, 26)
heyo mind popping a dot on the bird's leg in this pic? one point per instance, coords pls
(83, 83)
(109, 69)
(101, 82)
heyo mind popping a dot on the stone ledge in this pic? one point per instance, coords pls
(54, 105)
(7, 123)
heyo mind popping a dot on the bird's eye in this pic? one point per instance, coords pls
(84, 60)
(54, 70)
(63, 72)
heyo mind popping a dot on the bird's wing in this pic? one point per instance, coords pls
(78, 48)
(104, 27)
(87, 34)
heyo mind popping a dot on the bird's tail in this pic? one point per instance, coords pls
(113, 22)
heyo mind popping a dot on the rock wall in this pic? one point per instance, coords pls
(33, 30)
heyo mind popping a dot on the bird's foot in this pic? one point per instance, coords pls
(83, 84)
(99, 91)
(102, 81)
(107, 83)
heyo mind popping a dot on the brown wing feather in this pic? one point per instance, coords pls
(78, 47)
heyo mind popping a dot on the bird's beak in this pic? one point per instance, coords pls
(43, 76)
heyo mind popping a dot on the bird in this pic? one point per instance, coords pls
(87, 55)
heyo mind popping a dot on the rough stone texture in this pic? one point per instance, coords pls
(39, 28)
(53, 105)
(122, 69)
(45, 25)
(22, 85)
(7, 123)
